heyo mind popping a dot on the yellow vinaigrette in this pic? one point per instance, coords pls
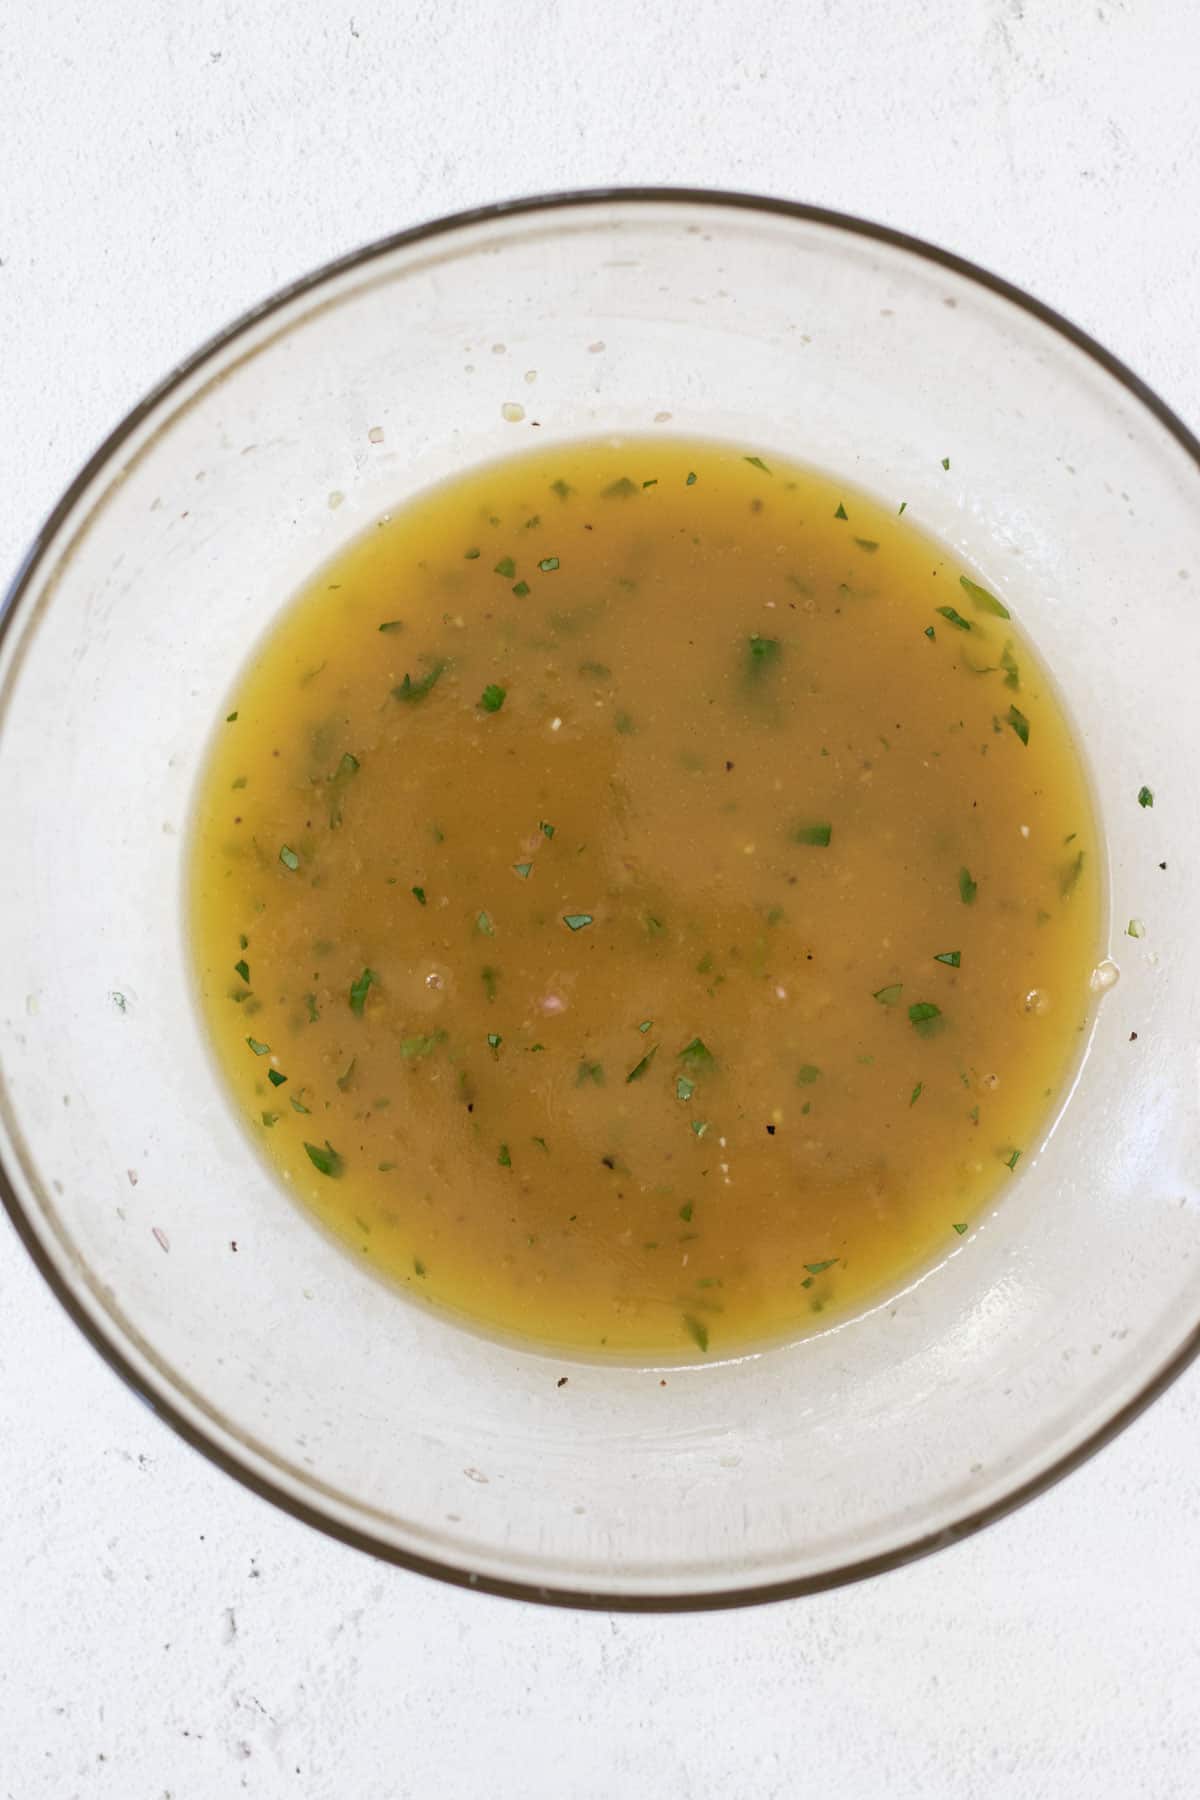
(644, 897)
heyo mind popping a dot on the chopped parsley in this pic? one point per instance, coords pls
(696, 1329)
(640, 1068)
(841, 512)
(806, 1074)
(955, 618)
(494, 1041)
(419, 892)
(288, 858)
(358, 991)
(472, 554)
(819, 1268)
(756, 462)
(763, 653)
(524, 870)
(411, 690)
(931, 633)
(325, 1159)
(298, 1104)
(1012, 1159)
(548, 565)
(888, 996)
(685, 1212)
(925, 1016)
(697, 1055)
(504, 1158)
(259, 1049)
(967, 888)
(392, 625)
(1019, 723)
(521, 589)
(952, 958)
(868, 544)
(1145, 797)
(811, 834)
(483, 924)
(960, 1228)
(945, 462)
(577, 921)
(492, 697)
(589, 1071)
(243, 969)
(275, 1078)
(982, 600)
(506, 567)
(561, 488)
(546, 830)
(413, 1049)
(1069, 879)
(684, 1089)
(916, 1093)
(231, 718)
(620, 489)
(691, 480)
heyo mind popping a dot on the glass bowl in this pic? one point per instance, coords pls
(132, 1184)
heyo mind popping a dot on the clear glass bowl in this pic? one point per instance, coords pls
(139, 1196)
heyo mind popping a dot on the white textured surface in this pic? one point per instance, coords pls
(167, 1636)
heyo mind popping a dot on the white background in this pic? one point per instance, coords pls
(164, 164)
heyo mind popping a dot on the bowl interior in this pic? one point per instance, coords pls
(123, 1163)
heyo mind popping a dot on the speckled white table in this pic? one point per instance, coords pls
(165, 1635)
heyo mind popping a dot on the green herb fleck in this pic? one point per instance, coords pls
(1019, 723)
(413, 1049)
(982, 600)
(230, 718)
(756, 462)
(685, 1212)
(504, 1159)
(548, 565)
(310, 1001)
(411, 690)
(1069, 878)
(483, 924)
(819, 1268)
(903, 507)
(960, 1228)
(925, 1016)
(620, 489)
(490, 979)
(288, 858)
(561, 488)
(653, 482)
(967, 888)
(392, 625)
(420, 895)
(931, 633)
(492, 697)
(275, 1078)
(806, 1074)
(358, 991)
(347, 1074)
(494, 1040)
(696, 1329)
(326, 1160)
(546, 830)
(691, 480)
(524, 870)
(811, 834)
(298, 1104)
(576, 921)
(945, 462)
(955, 618)
(259, 1049)
(243, 969)
(867, 544)
(764, 653)
(623, 722)
(521, 589)
(1145, 797)
(888, 996)
(952, 958)
(1012, 671)
(697, 1055)
(841, 512)
(471, 554)
(1010, 1161)
(640, 1068)
(916, 1093)
(645, 1025)
(589, 1071)
(506, 567)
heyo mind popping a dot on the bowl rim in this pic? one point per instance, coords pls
(110, 1346)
